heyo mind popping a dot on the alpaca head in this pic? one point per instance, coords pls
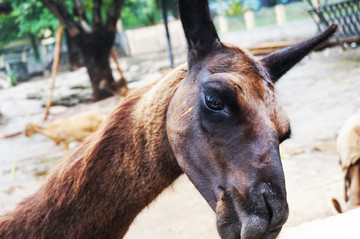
(225, 125)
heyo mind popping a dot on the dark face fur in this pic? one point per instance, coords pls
(225, 129)
(225, 126)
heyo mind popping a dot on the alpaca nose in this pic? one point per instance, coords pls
(260, 214)
(278, 208)
(266, 214)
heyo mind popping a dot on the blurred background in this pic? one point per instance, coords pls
(27, 33)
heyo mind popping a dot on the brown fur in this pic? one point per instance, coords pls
(100, 189)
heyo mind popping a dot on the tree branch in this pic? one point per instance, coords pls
(114, 14)
(5, 8)
(79, 8)
(80, 12)
(97, 21)
(60, 11)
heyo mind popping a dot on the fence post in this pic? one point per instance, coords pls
(223, 24)
(131, 42)
(119, 26)
(171, 56)
(249, 19)
(24, 57)
(2, 62)
(316, 4)
(44, 51)
(55, 67)
(280, 14)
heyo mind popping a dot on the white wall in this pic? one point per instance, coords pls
(153, 38)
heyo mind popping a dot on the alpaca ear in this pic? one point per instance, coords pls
(199, 29)
(279, 62)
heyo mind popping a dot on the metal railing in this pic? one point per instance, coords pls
(345, 13)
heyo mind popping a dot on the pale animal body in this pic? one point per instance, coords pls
(348, 147)
(70, 129)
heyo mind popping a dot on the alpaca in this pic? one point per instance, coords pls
(70, 129)
(216, 119)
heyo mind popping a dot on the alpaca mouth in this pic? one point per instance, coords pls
(237, 219)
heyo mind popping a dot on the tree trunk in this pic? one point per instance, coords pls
(96, 47)
(101, 78)
(35, 47)
(5, 8)
(75, 57)
(95, 44)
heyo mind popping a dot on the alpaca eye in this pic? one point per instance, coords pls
(214, 103)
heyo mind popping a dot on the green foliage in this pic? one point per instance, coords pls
(27, 17)
(31, 17)
(236, 8)
(13, 79)
(137, 13)
(9, 29)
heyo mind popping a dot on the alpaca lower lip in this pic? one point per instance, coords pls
(236, 230)
(257, 228)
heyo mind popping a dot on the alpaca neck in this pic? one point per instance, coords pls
(101, 188)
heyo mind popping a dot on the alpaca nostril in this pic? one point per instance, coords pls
(278, 212)
(227, 220)
(270, 210)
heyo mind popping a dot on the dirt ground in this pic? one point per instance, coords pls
(319, 94)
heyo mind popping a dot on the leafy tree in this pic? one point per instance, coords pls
(9, 29)
(137, 13)
(236, 8)
(90, 29)
(33, 18)
(93, 32)
(27, 19)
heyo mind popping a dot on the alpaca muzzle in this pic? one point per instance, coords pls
(261, 216)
